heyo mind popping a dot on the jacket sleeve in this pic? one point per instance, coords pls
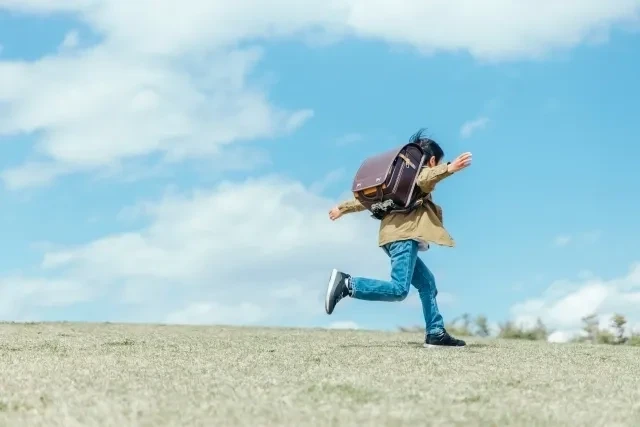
(429, 177)
(351, 206)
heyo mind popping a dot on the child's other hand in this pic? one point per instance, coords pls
(460, 162)
(334, 214)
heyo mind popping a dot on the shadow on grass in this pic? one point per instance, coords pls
(472, 345)
(477, 345)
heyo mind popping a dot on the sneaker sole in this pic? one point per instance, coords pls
(442, 346)
(330, 287)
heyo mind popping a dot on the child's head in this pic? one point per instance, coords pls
(430, 147)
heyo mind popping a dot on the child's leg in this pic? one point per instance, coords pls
(403, 255)
(425, 283)
(436, 335)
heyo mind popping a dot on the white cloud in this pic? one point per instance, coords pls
(176, 82)
(494, 328)
(140, 107)
(471, 127)
(499, 29)
(344, 325)
(40, 6)
(32, 174)
(173, 81)
(214, 313)
(565, 303)
(332, 177)
(71, 40)
(257, 250)
(20, 296)
(446, 298)
(560, 337)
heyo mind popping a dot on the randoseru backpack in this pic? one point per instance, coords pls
(386, 183)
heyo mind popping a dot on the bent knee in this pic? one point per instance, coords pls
(401, 293)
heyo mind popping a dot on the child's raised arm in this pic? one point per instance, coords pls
(349, 206)
(429, 177)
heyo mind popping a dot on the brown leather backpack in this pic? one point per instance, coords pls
(386, 183)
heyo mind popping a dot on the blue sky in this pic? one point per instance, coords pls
(544, 220)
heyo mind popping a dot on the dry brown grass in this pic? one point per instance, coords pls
(153, 375)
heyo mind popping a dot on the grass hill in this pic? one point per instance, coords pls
(70, 374)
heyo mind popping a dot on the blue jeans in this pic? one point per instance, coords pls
(406, 269)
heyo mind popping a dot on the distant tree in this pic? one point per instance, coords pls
(605, 337)
(455, 329)
(618, 322)
(595, 335)
(509, 330)
(466, 320)
(482, 326)
(466, 324)
(460, 326)
(540, 331)
(591, 327)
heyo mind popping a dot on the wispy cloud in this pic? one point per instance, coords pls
(331, 178)
(587, 237)
(562, 240)
(472, 126)
(71, 40)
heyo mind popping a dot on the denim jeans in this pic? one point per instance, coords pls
(406, 269)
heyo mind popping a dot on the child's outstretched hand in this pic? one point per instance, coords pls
(460, 162)
(334, 214)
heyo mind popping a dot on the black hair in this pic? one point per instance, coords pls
(428, 145)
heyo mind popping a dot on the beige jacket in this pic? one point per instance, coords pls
(424, 224)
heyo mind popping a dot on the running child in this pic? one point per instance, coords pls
(402, 236)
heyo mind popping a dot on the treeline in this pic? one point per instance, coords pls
(466, 326)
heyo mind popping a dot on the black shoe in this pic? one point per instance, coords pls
(337, 289)
(443, 340)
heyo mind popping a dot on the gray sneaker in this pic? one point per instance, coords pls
(337, 289)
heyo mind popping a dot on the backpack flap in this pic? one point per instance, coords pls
(372, 177)
(385, 182)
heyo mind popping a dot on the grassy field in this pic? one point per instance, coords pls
(153, 375)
